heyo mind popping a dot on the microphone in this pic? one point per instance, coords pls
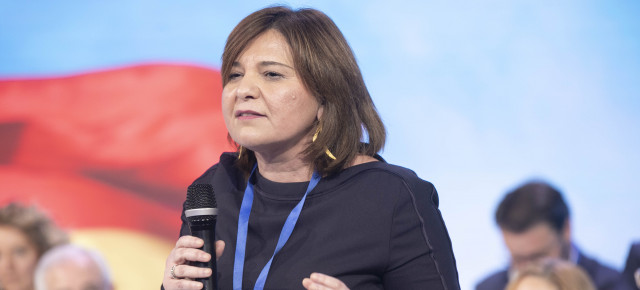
(201, 212)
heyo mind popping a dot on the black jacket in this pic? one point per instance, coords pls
(603, 277)
(628, 282)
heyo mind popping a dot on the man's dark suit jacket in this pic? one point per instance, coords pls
(628, 282)
(603, 277)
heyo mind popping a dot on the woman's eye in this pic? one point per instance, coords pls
(234, 76)
(20, 251)
(271, 74)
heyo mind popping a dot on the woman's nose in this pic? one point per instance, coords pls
(247, 88)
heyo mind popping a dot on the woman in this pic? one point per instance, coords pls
(25, 234)
(551, 274)
(295, 104)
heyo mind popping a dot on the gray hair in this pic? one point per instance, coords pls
(74, 254)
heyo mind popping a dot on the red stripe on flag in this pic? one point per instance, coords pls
(115, 147)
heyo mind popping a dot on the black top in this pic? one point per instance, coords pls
(603, 277)
(373, 226)
(628, 282)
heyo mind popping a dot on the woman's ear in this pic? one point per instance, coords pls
(320, 110)
(566, 231)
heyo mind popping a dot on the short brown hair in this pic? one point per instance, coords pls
(563, 274)
(38, 228)
(532, 203)
(328, 69)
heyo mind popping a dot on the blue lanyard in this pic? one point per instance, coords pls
(243, 224)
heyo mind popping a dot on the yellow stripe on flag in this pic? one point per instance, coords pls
(136, 259)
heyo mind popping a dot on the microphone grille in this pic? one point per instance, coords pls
(200, 196)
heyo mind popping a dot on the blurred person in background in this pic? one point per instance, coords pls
(535, 224)
(631, 274)
(551, 274)
(25, 235)
(71, 267)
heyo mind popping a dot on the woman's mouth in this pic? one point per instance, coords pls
(246, 115)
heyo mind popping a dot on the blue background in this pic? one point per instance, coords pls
(477, 96)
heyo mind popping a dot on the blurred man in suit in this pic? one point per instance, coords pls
(535, 224)
(631, 274)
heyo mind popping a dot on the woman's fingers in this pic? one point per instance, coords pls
(182, 284)
(318, 281)
(182, 255)
(184, 271)
(178, 274)
(219, 249)
(187, 250)
(189, 242)
(177, 277)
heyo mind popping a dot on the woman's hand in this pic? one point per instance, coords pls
(319, 281)
(186, 250)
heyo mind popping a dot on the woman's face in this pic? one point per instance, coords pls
(18, 259)
(266, 107)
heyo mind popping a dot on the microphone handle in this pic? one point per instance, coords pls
(206, 231)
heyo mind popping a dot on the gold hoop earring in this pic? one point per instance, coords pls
(315, 136)
(329, 154)
(240, 149)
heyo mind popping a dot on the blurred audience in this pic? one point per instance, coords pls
(631, 274)
(71, 267)
(25, 235)
(551, 274)
(535, 224)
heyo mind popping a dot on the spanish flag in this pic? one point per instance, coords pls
(109, 154)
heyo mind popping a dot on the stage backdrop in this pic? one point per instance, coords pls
(108, 110)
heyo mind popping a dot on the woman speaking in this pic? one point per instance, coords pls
(306, 202)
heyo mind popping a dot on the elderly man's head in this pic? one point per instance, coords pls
(71, 267)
